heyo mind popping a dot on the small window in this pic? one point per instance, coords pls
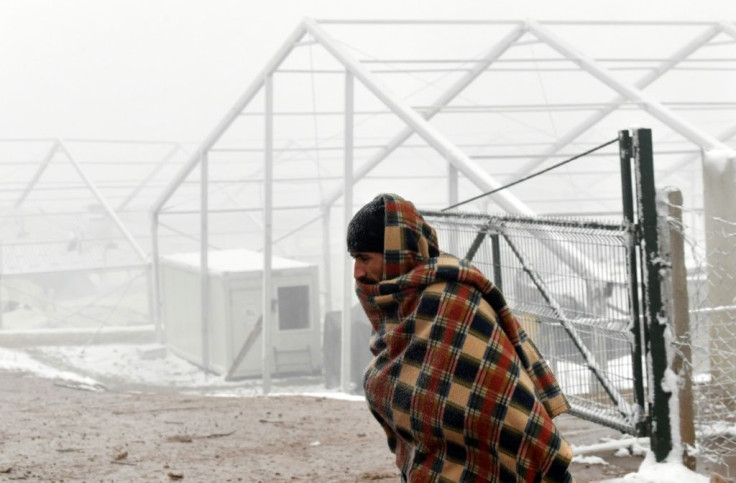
(294, 307)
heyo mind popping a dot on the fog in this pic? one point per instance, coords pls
(169, 70)
(108, 110)
(104, 103)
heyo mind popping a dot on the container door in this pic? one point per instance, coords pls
(245, 310)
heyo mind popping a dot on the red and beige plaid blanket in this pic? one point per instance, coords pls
(460, 390)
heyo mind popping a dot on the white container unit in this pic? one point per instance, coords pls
(236, 281)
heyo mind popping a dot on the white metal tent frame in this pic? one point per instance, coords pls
(81, 181)
(418, 123)
(59, 145)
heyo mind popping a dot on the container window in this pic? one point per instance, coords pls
(294, 307)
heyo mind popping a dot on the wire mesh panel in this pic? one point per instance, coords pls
(567, 283)
(710, 248)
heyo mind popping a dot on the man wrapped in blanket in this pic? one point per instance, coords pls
(460, 390)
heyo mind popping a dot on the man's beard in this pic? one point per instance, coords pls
(367, 280)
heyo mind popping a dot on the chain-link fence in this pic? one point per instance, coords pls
(710, 256)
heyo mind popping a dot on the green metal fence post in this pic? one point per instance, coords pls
(627, 196)
(496, 251)
(654, 313)
(477, 242)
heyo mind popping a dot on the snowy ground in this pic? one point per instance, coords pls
(150, 368)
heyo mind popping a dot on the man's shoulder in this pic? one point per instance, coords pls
(453, 289)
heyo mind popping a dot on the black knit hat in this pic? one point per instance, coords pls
(365, 231)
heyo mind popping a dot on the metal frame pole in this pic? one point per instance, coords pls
(452, 184)
(101, 199)
(206, 145)
(675, 168)
(232, 114)
(627, 197)
(37, 175)
(481, 66)
(204, 269)
(654, 314)
(347, 298)
(730, 30)
(156, 275)
(452, 198)
(267, 235)
(496, 250)
(159, 166)
(654, 107)
(577, 261)
(596, 117)
(327, 257)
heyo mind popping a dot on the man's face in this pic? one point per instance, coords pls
(368, 266)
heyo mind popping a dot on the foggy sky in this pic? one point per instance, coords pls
(170, 69)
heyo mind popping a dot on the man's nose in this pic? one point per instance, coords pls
(358, 270)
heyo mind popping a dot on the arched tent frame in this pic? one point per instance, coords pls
(70, 209)
(630, 91)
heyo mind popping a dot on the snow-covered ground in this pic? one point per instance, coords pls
(153, 365)
(146, 365)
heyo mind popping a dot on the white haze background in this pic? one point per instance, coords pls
(170, 69)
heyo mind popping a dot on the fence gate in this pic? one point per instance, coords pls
(581, 288)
